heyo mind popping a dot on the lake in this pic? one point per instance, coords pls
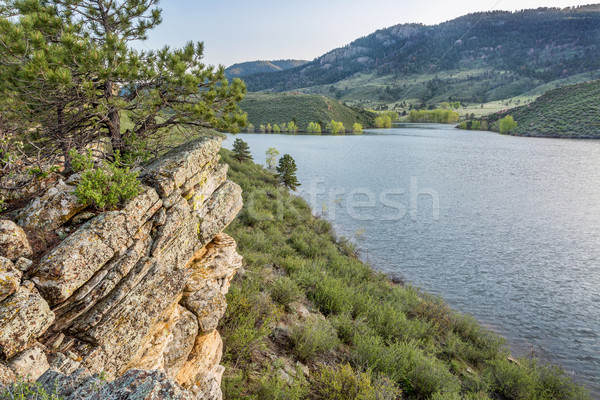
(504, 228)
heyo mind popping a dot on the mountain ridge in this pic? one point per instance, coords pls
(532, 47)
(250, 67)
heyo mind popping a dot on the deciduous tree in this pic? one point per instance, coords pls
(271, 154)
(507, 124)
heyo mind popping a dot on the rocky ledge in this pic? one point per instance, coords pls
(133, 295)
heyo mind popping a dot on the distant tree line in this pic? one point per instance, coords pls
(439, 116)
(314, 128)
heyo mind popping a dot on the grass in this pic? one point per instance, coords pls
(279, 108)
(306, 299)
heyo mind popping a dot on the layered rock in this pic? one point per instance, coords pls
(141, 288)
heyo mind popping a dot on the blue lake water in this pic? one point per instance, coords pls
(504, 228)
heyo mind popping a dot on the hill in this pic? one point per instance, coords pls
(475, 58)
(570, 111)
(277, 108)
(253, 67)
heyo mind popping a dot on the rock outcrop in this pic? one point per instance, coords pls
(127, 292)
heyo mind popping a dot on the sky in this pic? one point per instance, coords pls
(247, 30)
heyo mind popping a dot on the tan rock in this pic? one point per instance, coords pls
(52, 209)
(10, 278)
(13, 241)
(205, 185)
(139, 288)
(104, 282)
(218, 263)
(71, 264)
(24, 316)
(179, 165)
(124, 327)
(219, 211)
(209, 281)
(85, 252)
(183, 339)
(208, 306)
(199, 368)
(152, 355)
(30, 364)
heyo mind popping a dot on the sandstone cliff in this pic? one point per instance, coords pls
(142, 288)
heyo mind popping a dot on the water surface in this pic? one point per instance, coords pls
(505, 228)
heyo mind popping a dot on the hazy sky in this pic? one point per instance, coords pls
(247, 30)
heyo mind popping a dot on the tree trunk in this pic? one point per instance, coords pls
(114, 120)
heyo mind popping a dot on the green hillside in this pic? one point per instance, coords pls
(569, 111)
(277, 108)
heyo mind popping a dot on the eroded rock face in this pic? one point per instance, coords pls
(13, 241)
(141, 288)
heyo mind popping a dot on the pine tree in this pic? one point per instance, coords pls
(241, 150)
(286, 172)
(69, 73)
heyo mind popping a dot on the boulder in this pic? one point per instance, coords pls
(50, 211)
(24, 316)
(13, 241)
(10, 278)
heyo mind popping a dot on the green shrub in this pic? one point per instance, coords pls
(347, 327)
(275, 384)
(234, 384)
(313, 338)
(105, 186)
(284, 291)
(27, 391)
(428, 375)
(247, 321)
(525, 379)
(446, 396)
(510, 380)
(555, 384)
(344, 383)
